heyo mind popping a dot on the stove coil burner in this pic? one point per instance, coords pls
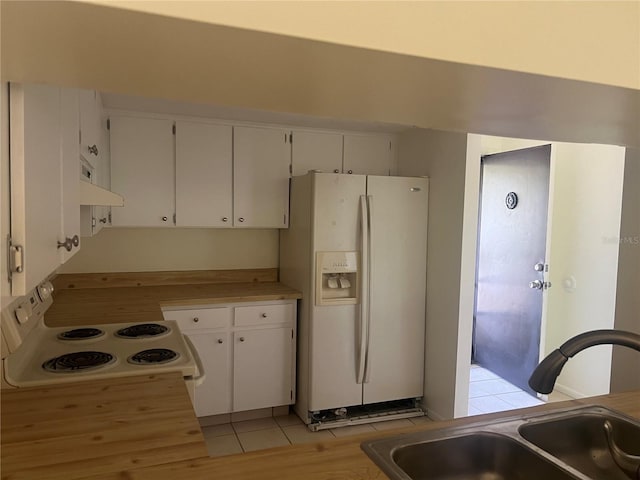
(78, 361)
(142, 330)
(153, 356)
(81, 334)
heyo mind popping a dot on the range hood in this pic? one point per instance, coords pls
(91, 194)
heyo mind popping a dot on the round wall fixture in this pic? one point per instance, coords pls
(511, 200)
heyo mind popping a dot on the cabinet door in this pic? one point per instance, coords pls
(204, 175)
(262, 368)
(35, 181)
(316, 151)
(70, 163)
(368, 155)
(261, 161)
(142, 170)
(213, 396)
(90, 124)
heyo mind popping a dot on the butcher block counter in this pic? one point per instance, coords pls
(84, 299)
(143, 428)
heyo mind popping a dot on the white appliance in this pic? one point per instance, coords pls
(356, 247)
(36, 355)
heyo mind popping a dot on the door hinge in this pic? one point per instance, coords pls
(173, 128)
(284, 219)
(79, 137)
(109, 216)
(389, 145)
(93, 222)
(174, 218)
(291, 394)
(16, 258)
(108, 124)
(291, 138)
(292, 333)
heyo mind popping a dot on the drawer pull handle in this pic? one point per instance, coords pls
(220, 340)
(196, 319)
(242, 339)
(264, 315)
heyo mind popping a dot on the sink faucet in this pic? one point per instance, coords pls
(544, 376)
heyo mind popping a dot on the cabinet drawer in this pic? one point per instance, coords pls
(199, 318)
(263, 314)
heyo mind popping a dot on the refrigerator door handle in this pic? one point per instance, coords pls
(364, 290)
(367, 364)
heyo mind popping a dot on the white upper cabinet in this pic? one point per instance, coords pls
(90, 126)
(44, 182)
(142, 171)
(316, 151)
(204, 175)
(70, 213)
(261, 163)
(368, 155)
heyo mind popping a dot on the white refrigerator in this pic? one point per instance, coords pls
(357, 247)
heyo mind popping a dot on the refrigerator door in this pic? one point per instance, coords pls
(334, 329)
(398, 252)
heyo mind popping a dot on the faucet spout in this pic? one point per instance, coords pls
(544, 376)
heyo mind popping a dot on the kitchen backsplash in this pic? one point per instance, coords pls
(166, 249)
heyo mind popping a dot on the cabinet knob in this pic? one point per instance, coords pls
(241, 219)
(224, 219)
(242, 339)
(196, 319)
(93, 150)
(336, 171)
(264, 315)
(164, 219)
(349, 171)
(220, 340)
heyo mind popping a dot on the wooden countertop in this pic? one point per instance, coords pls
(76, 430)
(85, 306)
(143, 428)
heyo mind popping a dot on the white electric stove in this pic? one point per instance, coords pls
(34, 354)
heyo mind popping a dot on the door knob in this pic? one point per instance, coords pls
(536, 284)
(539, 267)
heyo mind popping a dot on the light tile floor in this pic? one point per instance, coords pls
(489, 393)
(258, 434)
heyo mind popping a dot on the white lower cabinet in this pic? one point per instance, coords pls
(262, 365)
(213, 396)
(248, 353)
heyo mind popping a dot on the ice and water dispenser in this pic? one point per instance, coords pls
(337, 278)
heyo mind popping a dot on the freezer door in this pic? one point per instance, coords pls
(334, 330)
(336, 211)
(398, 252)
(333, 358)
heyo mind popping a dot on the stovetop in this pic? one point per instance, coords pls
(51, 355)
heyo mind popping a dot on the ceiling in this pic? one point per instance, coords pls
(123, 52)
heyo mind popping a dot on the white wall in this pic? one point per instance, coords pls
(166, 249)
(440, 156)
(626, 362)
(585, 224)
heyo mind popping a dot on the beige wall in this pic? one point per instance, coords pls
(626, 362)
(550, 38)
(441, 157)
(159, 249)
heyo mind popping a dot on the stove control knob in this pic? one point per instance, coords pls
(45, 290)
(22, 314)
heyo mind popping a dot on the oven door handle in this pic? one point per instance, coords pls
(199, 380)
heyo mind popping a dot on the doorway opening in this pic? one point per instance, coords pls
(510, 278)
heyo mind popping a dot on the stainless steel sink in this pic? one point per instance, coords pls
(560, 444)
(475, 456)
(581, 442)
